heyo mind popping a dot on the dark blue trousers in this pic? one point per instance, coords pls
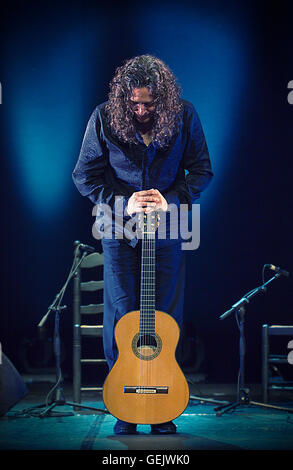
(122, 264)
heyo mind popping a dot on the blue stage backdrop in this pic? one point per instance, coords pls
(234, 63)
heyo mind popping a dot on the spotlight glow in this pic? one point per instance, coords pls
(44, 120)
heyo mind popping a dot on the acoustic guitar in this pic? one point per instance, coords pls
(146, 384)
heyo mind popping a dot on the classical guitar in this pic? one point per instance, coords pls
(146, 384)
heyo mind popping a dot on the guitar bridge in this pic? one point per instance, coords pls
(148, 390)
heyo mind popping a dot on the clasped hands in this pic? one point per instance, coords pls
(146, 201)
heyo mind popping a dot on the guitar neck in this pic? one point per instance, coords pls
(148, 285)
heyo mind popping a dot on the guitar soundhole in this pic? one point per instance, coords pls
(147, 346)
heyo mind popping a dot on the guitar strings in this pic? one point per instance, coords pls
(150, 296)
(141, 308)
(147, 306)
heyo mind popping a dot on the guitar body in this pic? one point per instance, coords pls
(146, 384)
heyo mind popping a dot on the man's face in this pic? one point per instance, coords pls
(142, 105)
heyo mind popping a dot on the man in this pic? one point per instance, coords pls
(134, 156)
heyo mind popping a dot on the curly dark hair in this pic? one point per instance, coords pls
(139, 72)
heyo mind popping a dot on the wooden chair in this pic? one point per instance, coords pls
(269, 360)
(82, 331)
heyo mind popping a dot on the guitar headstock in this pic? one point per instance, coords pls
(148, 223)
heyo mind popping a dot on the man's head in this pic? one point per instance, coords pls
(142, 104)
(144, 89)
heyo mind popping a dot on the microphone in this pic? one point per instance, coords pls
(278, 270)
(86, 248)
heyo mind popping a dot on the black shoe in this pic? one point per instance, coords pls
(122, 427)
(163, 428)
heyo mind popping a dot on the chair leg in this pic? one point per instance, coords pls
(76, 364)
(265, 362)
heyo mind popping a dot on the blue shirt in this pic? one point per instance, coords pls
(110, 170)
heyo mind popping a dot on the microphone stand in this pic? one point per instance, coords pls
(243, 397)
(59, 398)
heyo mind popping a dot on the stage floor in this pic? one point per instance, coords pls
(199, 428)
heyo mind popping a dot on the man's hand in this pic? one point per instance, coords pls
(146, 201)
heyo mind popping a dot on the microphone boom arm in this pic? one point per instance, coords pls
(245, 299)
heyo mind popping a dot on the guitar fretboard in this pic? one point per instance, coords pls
(148, 285)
